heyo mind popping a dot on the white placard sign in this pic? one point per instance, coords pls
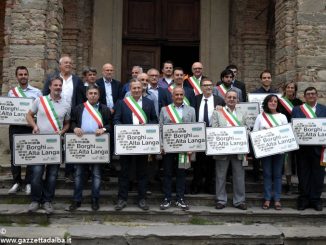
(250, 109)
(273, 141)
(137, 139)
(310, 131)
(184, 137)
(259, 98)
(87, 149)
(36, 149)
(13, 110)
(227, 141)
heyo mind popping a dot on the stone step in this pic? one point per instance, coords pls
(155, 198)
(166, 233)
(17, 213)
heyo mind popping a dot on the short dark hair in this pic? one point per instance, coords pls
(226, 72)
(267, 99)
(93, 86)
(229, 67)
(264, 71)
(309, 89)
(21, 68)
(178, 69)
(167, 62)
(89, 69)
(55, 78)
(205, 79)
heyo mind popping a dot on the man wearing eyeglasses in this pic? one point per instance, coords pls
(204, 166)
(310, 172)
(197, 75)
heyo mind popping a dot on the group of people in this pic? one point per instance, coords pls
(68, 104)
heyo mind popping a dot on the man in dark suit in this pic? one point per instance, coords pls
(310, 173)
(178, 81)
(85, 119)
(71, 83)
(204, 165)
(111, 87)
(70, 87)
(130, 111)
(193, 82)
(236, 83)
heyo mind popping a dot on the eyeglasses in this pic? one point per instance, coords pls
(311, 94)
(198, 68)
(207, 85)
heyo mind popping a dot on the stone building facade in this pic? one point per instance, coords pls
(286, 36)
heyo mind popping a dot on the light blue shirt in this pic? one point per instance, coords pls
(89, 125)
(108, 92)
(30, 92)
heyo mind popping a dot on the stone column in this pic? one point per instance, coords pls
(107, 34)
(214, 36)
(33, 31)
(301, 43)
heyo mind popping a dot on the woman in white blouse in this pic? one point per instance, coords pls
(272, 165)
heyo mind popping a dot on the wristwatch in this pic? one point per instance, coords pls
(104, 129)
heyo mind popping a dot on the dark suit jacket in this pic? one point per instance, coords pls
(116, 90)
(320, 112)
(217, 101)
(81, 95)
(77, 84)
(164, 98)
(123, 115)
(240, 85)
(187, 84)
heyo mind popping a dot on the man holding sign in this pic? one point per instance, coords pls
(23, 90)
(89, 117)
(311, 159)
(227, 116)
(53, 115)
(177, 112)
(134, 109)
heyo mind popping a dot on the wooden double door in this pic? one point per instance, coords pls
(158, 30)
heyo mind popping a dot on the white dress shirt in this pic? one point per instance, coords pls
(210, 104)
(67, 89)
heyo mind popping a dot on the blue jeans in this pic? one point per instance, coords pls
(43, 190)
(80, 179)
(169, 163)
(272, 172)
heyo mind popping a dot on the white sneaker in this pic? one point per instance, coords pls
(14, 188)
(47, 206)
(28, 189)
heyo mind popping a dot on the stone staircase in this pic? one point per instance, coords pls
(202, 224)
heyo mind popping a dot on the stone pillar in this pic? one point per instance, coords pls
(214, 36)
(107, 34)
(301, 43)
(33, 31)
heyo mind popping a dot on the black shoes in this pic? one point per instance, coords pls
(120, 205)
(241, 206)
(74, 205)
(95, 205)
(165, 204)
(219, 205)
(142, 204)
(317, 206)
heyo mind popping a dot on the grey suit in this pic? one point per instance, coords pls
(170, 159)
(239, 92)
(222, 164)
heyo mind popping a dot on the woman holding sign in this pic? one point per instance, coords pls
(272, 165)
(287, 102)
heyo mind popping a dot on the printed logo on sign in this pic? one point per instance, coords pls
(24, 103)
(324, 123)
(251, 108)
(238, 132)
(100, 140)
(197, 129)
(51, 140)
(150, 131)
(284, 130)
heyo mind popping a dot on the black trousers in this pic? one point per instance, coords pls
(141, 172)
(310, 174)
(204, 172)
(16, 170)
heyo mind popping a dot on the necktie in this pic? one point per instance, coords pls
(206, 120)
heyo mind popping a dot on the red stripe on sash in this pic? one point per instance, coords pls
(227, 117)
(134, 111)
(267, 120)
(48, 114)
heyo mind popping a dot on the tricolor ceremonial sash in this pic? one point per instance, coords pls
(185, 100)
(222, 89)
(96, 115)
(18, 92)
(183, 158)
(50, 113)
(309, 113)
(287, 104)
(270, 119)
(136, 109)
(195, 84)
(231, 119)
